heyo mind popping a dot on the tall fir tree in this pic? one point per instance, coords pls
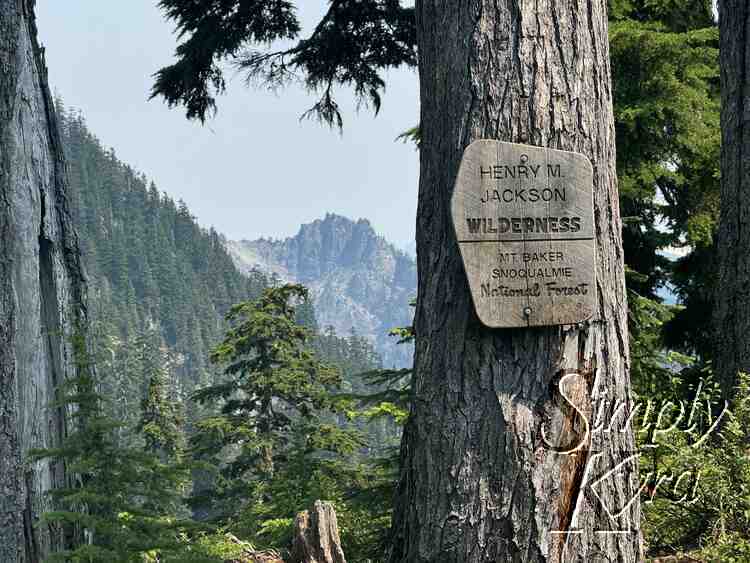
(275, 389)
(122, 504)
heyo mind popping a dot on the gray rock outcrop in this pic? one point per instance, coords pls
(356, 278)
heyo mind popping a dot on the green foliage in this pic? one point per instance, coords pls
(693, 280)
(708, 511)
(411, 135)
(362, 485)
(653, 366)
(321, 446)
(285, 433)
(388, 390)
(162, 419)
(666, 102)
(352, 355)
(153, 272)
(383, 399)
(666, 97)
(122, 500)
(214, 547)
(359, 489)
(212, 35)
(352, 45)
(274, 396)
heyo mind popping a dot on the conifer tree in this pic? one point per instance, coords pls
(534, 73)
(122, 503)
(666, 103)
(162, 420)
(150, 265)
(665, 112)
(274, 388)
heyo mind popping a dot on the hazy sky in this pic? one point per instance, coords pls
(253, 170)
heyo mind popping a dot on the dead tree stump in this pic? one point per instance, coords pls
(316, 536)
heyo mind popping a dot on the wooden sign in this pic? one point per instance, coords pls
(524, 220)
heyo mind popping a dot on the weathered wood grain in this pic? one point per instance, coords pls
(42, 292)
(316, 536)
(524, 222)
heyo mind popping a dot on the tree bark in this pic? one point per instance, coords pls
(732, 304)
(41, 288)
(316, 536)
(478, 483)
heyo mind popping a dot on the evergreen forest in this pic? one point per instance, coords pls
(209, 407)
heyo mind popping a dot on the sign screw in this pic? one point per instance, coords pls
(527, 311)
(524, 158)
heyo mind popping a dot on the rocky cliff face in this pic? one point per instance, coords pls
(41, 287)
(356, 278)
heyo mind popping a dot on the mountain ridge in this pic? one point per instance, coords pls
(358, 280)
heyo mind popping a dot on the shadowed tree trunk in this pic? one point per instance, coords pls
(41, 288)
(478, 483)
(732, 310)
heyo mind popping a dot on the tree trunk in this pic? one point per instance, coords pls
(316, 536)
(732, 306)
(478, 483)
(41, 288)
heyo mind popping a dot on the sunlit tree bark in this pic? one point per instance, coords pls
(478, 483)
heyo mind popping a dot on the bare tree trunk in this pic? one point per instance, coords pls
(41, 287)
(732, 310)
(478, 483)
(316, 536)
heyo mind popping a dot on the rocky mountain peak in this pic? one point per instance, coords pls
(358, 280)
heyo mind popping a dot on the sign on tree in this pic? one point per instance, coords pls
(524, 220)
